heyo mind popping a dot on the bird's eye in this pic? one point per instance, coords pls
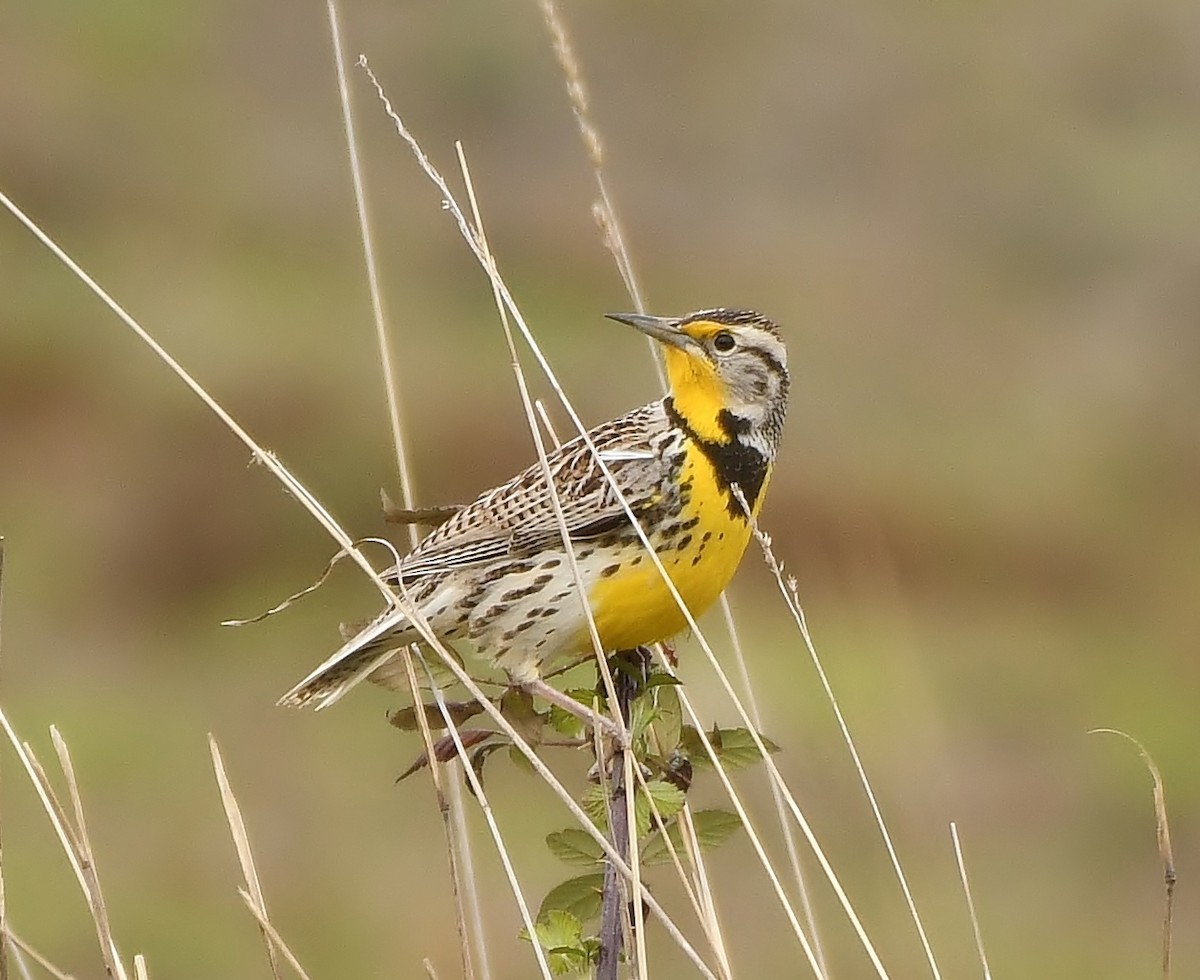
(724, 342)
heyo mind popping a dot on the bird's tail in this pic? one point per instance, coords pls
(357, 658)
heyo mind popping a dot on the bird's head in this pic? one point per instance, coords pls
(727, 370)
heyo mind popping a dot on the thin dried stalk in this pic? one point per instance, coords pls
(605, 213)
(272, 934)
(435, 771)
(241, 843)
(708, 914)
(624, 842)
(1166, 853)
(391, 383)
(87, 860)
(489, 817)
(457, 843)
(792, 600)
(451, 205)
(479, 240)
(261, 455)
(610, 225)
(962, 874)
(777, 797)
(20, 946)
(72, 839)
(552, 781)
(322, 516)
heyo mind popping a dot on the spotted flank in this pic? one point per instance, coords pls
(496, 574)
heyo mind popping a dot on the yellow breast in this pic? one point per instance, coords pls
(633, 606)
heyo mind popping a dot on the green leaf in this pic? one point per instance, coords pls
(564, 960)
(655, 850)
(559, 934)
(521, 761)
(668, 800)
(557, 927)
(713, 827)
(517, 707)
(642, 715)
(733, 746)
(406, 718)
(661, 678)
(595, 805)
(668, 723)
(575, 846)
(564, 722)
(579, 896)
(567, 723)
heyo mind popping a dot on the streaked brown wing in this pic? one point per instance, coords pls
(517, 518)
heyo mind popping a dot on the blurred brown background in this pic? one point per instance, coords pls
(980, 226)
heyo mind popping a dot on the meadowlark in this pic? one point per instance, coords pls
(496, 574)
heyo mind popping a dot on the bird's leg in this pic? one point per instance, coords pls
(548, 692)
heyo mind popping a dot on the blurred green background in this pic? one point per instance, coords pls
(980, 227)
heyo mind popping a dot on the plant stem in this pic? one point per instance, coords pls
(627, 667)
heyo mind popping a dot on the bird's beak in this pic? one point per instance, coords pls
(662, 328)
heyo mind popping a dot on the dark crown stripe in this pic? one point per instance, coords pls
(733, 318)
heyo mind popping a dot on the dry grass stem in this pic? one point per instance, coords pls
(797, 814)
(605, 213)
(241, 843)
(695, 887)
(451, 206)
(489, 818)
(20, 949)
(544, 417)
(777, 797)
(962, 874)
(87, 859)
(533, 413)
(707, 910)
(1166, 853)
(760, 851)
(272, 934)
(479, 238)
(391, 385)
(22, 965)
(316, 584)
(139, 968)
(458, 816)
(575, 809)
(71, 838)
(639, 916)
(435, 772)
(788, 590)
(610, 226)
(261, 455)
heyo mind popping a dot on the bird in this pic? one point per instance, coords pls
(497, 575)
